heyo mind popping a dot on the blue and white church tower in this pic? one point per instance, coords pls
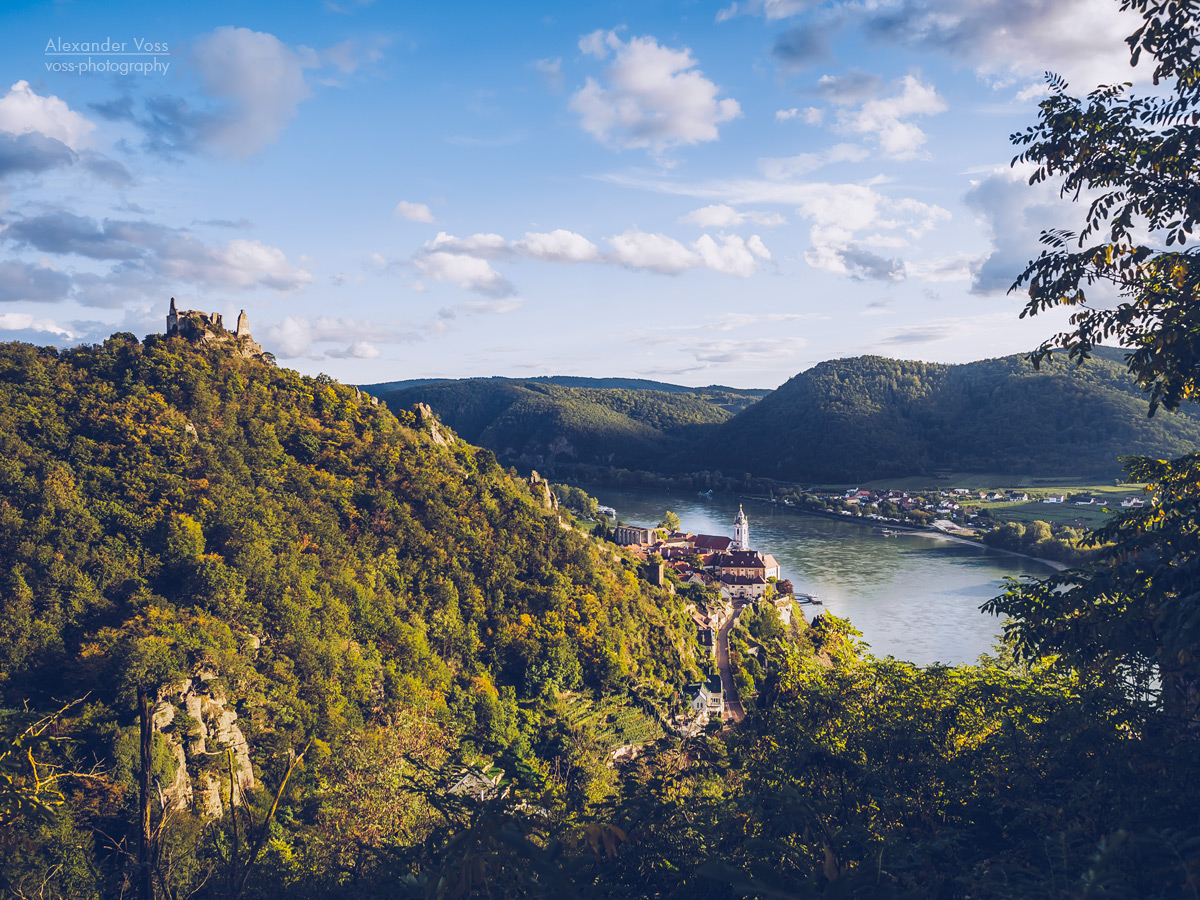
(741, 531)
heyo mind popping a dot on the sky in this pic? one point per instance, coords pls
(693, 192)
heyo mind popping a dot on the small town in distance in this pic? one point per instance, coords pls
(736, 576)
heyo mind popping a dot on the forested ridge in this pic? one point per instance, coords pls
(536, 421)
(167, 510)
(876, 418)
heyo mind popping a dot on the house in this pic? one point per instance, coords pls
(1133, 502)
(705, 698)
(742, 587)
(481, 785)
(1055, 498)
(1018, 497)
(711, 543)
(627, 535)
(746, 562)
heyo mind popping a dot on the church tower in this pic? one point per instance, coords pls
(741, 531)
(172, 319)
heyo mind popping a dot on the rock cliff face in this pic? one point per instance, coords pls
(195, 720)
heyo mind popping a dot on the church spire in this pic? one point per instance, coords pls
(741, 531)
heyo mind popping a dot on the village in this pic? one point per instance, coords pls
(736, 577)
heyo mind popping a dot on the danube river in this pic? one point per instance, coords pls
(912, 596)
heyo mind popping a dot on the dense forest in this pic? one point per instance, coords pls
(537, 422)
(876, 417)
(261, 637)
(293, 556)
(337, 613)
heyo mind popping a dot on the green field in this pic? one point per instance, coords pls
(1062, 513)
(985, 481)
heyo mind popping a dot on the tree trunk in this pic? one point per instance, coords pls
(145, 834)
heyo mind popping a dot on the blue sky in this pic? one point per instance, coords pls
(694, 192)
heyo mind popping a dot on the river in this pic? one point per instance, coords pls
(912, 596)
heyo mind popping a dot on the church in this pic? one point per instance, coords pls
(743, 573)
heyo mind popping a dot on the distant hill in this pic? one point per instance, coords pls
(540, 420)
(844, 420)
(870, 417)
(629, 384)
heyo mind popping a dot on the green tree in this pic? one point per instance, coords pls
(1139, 159)
(669, 521)
(1130, 618)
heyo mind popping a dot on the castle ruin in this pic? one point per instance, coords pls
(208, 329)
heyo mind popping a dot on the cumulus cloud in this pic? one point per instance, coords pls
(800, 47)
(261, 81)
(719, 215)
(660, 253)
(32, 153)
(294, 336)
(356, 350)
(24, 112)
(654, 97)
(471, 273)
(253, 85)
(883, 119)
(148, 254)
(1014, 214)
(466, 261)
(1082, 40)
(414, 212)
(23, 282)
(29, 322)
(559, 245)
(847, 220)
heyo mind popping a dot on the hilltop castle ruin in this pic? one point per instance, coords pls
(209, 329)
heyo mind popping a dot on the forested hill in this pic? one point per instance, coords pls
(871, 417)
(538, 421)
(844, 420)
(167, 510)
(628, 384)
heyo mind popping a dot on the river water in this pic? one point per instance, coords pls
(912, 596)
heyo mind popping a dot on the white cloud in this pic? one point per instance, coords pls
(1014, 213)
(660, 253)
(559, 245)
(356, 350)
(470, 273)
(1082, 40)
(27, 322)
(655, 96)
(262, 81)
(414, 212)
(722, 216)
(22, 111)
(883, 118)
(294, 336)
(466, 260)
(810, 115)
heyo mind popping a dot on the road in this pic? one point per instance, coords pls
(733, 706)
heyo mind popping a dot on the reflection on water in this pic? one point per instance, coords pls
(913, 597)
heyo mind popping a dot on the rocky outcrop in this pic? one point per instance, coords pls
(427, 420)
(194, 717)
(540, 488)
